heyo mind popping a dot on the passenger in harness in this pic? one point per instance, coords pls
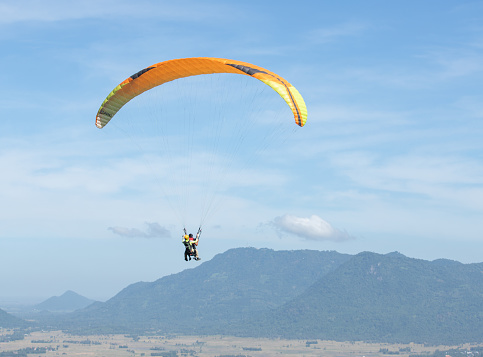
(191, 244)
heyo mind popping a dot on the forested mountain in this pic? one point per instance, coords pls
(301, 294)
(232, 285)
(387, 298)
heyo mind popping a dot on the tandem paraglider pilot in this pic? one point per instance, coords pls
(191, 245)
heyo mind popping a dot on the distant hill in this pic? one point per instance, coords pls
(232, 285)
(67, 302)
(10, 321)
(388, 298)
(301, 294)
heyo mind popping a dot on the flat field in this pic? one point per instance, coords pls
(58, 343)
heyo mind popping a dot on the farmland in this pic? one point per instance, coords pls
(57, 343)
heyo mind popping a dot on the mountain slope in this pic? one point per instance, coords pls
(10, 321)
(301, 294)
(230, 286)
(374, 297)
(69, 301)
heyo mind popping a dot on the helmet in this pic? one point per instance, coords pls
(186, 236)
(191, 235)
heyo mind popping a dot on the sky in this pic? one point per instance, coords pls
(391, 157)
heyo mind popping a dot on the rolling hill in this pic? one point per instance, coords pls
(67, 302)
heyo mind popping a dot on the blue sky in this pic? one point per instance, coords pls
(391, 158)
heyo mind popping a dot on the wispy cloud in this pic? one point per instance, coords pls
(311, 228)
(54, 10)
(438, 180)
(330, 34)
(152, 230)
(423, 69)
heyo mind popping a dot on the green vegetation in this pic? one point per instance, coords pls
(385, 298)
(165, 354)
(15, 336)
(459, 352)
(300, 295)
(24, 352)
(9, 321)
(231, 286)
(83, 342)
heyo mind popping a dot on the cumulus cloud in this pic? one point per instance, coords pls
(311, 228)
(153, 230)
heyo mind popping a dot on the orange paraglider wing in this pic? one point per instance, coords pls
(167, 71)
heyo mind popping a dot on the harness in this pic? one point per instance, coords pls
(191, 243)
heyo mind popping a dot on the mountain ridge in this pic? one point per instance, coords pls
(299, 294)
(237, 282)
(387, 298)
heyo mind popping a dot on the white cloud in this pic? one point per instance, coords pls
(311, 228)
(329, 34)
(54, 10)
(440, 180)
(153, 230)
(432, 68)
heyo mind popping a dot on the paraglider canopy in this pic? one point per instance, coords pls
(167, 71)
